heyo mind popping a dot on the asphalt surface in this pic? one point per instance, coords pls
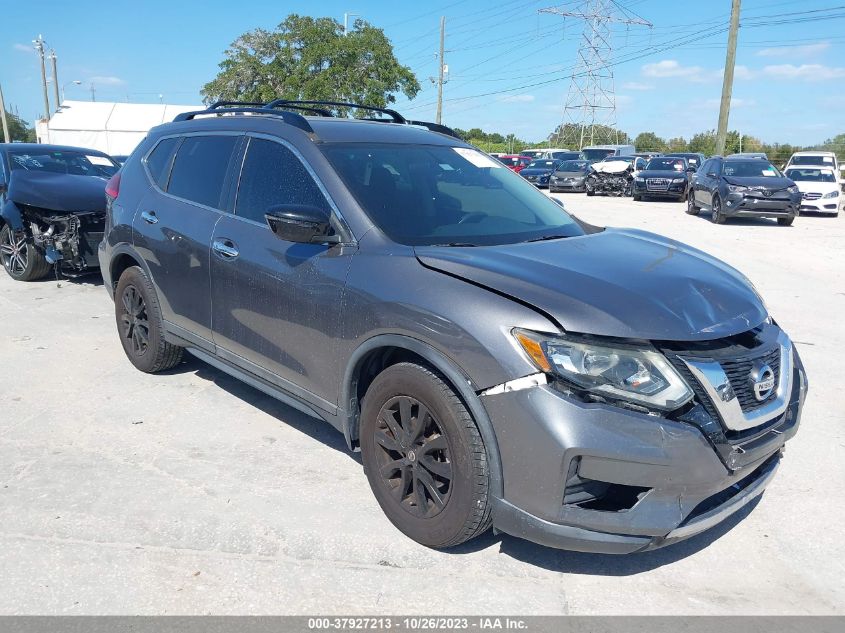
(190, 493)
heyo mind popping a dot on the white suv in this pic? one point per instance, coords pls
(819, 187)
(814, 158)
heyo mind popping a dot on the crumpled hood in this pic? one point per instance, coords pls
(618, 282)
(58, 192)
(769, 182)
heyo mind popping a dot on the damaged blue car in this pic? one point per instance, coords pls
(52, 208)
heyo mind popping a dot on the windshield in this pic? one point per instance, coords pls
(64, 162)
(811, 175)
(667, 164)
(597, 154)
(574, 165)
(817, 159)
(432, 194)
(749, 168)
(566, 155)
(533, 153)
(692, 159)
(541, 164)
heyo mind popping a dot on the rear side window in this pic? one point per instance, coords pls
(160, 159)
(273, 175)
(199, 171)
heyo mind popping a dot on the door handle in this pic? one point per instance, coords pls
(149, 217)
(225, 248)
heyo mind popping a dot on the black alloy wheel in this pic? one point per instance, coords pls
(22, 260)
(134, 322)
(413, 456)
(691, 208)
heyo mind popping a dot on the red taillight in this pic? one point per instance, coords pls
(113, 186)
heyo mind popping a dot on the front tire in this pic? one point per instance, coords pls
(424, 457)
(786, 221)
(716, 214)
(691, 208)
(139, 323)
(23, 261)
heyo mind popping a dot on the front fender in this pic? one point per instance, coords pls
(11, 215)
(456, 377)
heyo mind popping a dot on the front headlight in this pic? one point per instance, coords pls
(643, 376)
(793, 189)
(638, 179)
(832, 194)
(737, 188)
(677, 180)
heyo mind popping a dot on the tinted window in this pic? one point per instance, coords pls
(199, 170)
(273, 175)
(159, 161)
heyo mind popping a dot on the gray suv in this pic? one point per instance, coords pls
(496, 360)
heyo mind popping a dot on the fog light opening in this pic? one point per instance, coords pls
(591, 494)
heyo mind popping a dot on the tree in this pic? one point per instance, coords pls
(569, 135)
(649, 142)
(676, 144)
(309, 58)
(18, 129)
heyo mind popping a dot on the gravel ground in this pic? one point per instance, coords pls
(123, 493)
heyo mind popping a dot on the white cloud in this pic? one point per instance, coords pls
(634, 85)
(105, 81)
(517, 99)
(670, 68)
(741, 72)
(804, 50)
(807, 72)
(23, 48)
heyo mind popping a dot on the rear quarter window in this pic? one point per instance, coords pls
(160, 160)
(200, 169)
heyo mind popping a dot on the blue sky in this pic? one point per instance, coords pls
(790, 79)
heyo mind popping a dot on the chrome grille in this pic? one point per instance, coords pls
(738, 372)
(812, 195)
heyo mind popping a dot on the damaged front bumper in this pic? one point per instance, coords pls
(598, 478)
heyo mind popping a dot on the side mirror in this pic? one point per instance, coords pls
(691, 169)
(301, 223)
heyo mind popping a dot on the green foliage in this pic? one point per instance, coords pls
(494, 141)
(649, 142)
(18, 129)
(835, 144)
(310, 59)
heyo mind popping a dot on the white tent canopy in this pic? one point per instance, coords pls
(114, 128)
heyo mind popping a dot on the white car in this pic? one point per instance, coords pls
(819, 188)
(814, 158)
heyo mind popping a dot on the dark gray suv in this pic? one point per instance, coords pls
(496, 360)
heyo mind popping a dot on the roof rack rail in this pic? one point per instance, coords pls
(393, 114)
(291, 118)
(437, 127)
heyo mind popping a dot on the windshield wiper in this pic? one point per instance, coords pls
(456, 244)
(544, 238)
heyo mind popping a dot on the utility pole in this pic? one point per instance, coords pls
(6, 138)
(55, 79)
(728, 83)
(442, 67)
(590, 102)
(39, 46)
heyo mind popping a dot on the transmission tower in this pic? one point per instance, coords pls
(591, 102)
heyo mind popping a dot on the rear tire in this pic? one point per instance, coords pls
(22, 260)
(139, 324)
(786, 221)
(424, 457)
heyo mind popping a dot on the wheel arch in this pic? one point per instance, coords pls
(122, 257)
(382, 351)
(11, 215)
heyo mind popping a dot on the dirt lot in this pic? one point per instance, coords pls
(192, 493)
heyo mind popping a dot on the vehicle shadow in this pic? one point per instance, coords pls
(531, 553)
(761, 222)
(603, 564)
(315, 428)
(93, 278)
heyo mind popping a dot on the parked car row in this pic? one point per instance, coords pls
(341, 267)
